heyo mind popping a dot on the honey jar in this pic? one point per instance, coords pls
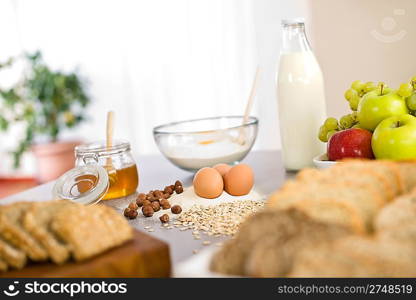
(100, 173)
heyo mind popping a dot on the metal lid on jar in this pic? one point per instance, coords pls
(84, 184)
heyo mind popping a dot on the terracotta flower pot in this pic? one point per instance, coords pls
(54, 159)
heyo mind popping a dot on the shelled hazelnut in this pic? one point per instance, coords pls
(158, 194)
(176, 209)
(146, 202)
(165, 204)
(178, 183)
(164, 218)
(140, 202)
(133, 206)
(156, 206)
(141, 196)
(168, 190)
(130, 213)
(148, 211)
(179, 189)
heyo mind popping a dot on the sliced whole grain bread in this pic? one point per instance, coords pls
(37, 221)
(331, 211)
(268, 227)
(355, 256)
(387, 171)
(396, 223)
(407, 170)
(274, 257)
(360, 198)
(12, 231)
(354, 177)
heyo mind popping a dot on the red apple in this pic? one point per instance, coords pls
(354, 142)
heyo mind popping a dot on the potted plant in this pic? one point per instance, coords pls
(45, 102)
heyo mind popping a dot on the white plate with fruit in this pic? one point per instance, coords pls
(382, 125)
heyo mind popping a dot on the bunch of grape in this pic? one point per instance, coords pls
(408, 92)
(332, 126)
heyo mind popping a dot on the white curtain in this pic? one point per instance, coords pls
(154, 62)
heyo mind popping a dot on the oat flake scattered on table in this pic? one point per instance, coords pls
(220, 216)
(223, 219)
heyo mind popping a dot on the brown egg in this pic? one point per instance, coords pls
(222, 169)
(239, 180)
(208, 183)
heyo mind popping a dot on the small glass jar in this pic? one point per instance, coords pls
(117, 160)
(100, 173)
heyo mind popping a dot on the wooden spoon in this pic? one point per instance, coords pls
(241, 139)
(109, 143)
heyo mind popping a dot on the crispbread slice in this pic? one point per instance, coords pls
(12, 256)
(3, 265)
(90, 230)
(12, 231)
(36, 221)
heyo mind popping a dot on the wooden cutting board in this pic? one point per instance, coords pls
(144, 256)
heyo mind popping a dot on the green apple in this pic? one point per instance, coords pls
(375, 106)
(395, 138)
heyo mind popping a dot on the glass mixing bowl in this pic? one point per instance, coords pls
(194, 144)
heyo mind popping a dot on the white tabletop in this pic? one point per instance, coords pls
(155, 173)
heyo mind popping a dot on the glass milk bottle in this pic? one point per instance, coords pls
(301, 98)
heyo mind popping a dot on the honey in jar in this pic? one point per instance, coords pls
(123, 182)
(123, 178)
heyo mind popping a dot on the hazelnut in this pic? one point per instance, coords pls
(130, 213)
(166, 196)
(149, 196)
(155, 206)
(140, 202)
(179, 189)
(141, 196)
(172, 187)
(168, 190)
(164, 218)
(165, 204)
(126, 211)
(133, 206)
(178, 183)
(158, 194)
(147, 210)
(176, 209)
(146, 202)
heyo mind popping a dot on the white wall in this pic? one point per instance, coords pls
(157, 61)
(368, 40)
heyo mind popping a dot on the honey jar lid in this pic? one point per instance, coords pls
(84, 184)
